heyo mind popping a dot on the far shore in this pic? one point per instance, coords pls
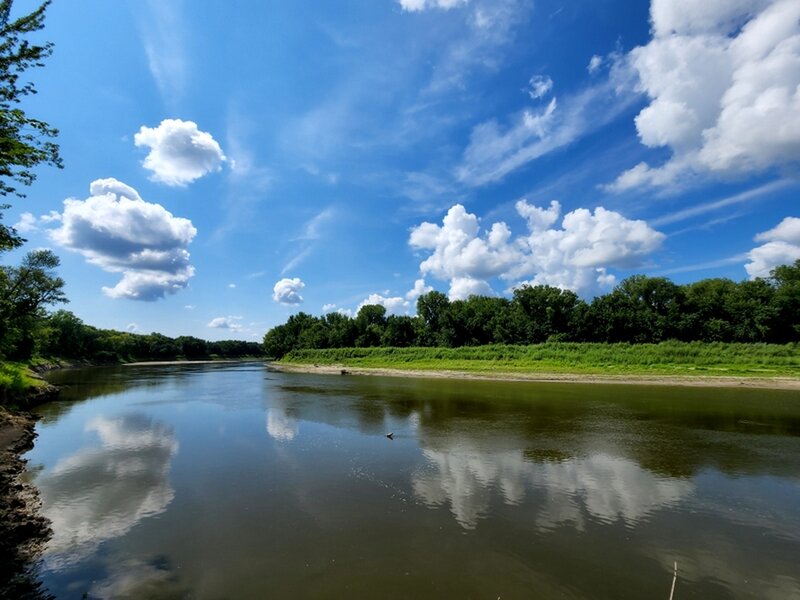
(161, 363)
(777, 383)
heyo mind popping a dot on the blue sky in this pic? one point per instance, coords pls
(229, 165)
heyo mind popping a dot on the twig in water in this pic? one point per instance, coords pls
(674, 578)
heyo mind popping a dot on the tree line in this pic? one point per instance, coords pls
(640, 309)
(64, 335)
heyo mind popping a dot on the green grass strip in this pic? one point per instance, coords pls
(666, 358)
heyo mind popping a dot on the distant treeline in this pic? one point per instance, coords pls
(640, 309)
(64, 335)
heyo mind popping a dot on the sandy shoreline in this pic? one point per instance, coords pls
(778, 383)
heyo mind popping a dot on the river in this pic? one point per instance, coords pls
(235, 481)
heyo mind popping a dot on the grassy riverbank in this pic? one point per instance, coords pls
(692, 359)
(18, 383)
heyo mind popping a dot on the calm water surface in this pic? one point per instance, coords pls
(234, 481)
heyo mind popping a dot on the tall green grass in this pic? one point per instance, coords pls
(15, 381)
(666, 358)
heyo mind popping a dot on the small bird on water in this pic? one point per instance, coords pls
(390, 435)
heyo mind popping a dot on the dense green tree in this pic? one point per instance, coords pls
(9, 238)
(342, 330)
(751, 312)
(25, 142)
(370, 324)
(314, 336)
(24, 292)
(433, 310)
(706, 315)
(614, 318)
(640, 309)
(282, 339)
(489, 321)
(234, 348)
(657, 302)
(68, 336)
(786, 302)
(192, 347)
(547, 312)
(400, 331)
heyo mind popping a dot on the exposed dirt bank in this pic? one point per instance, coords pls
(782, 383)
(23, 531)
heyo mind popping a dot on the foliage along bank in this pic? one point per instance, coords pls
(64, 335)
(639, 310)
(682, 359)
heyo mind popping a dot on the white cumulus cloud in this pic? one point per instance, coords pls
(781, 247)
(418, 289)
(26, 223)
(179, 152)
(121, 233)
(575, 255)
(230, 322)
(723, 79)
(394, 305)
(397, 305)
(287, 291)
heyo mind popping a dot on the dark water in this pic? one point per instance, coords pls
(233, 481)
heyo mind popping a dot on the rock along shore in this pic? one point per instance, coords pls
(23, 531)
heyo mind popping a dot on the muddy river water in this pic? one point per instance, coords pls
(235, 481)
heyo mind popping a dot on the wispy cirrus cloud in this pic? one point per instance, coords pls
(296, 259)
(707, 207)
(162, 29)
(487, 27)
(495, 150)
(312, 229)
(310, 233)
(420, 5)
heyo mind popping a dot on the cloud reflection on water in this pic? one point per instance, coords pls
(600, 486)
(100, 493)
(135, 579)
(281, 426)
